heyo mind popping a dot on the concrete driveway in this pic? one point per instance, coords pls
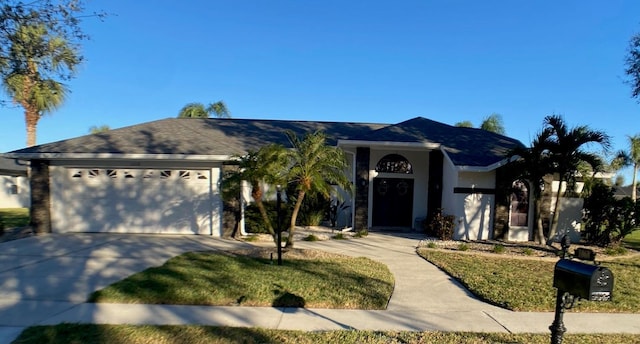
(43, 276)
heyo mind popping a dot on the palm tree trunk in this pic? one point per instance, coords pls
(265, 218)
(553, 227)
(31, 117)
(294, 218)
(538, 216)
(634, 191)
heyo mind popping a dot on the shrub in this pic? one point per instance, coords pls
(340, 236)
(499, 249)
(431, 244)
(311, 237)
(361, 234)
(527, 251)
(463, 247)
(441, 226)
(311, 218)
(254, 222)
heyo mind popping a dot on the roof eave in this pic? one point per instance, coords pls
(364, 143)
(114, 156)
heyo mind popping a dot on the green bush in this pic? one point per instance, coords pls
(340, 236)
(254, 222)
(463, 247)
(311, 237)
(499, 249)
(527, 251)
(431, 244)
(441, 226)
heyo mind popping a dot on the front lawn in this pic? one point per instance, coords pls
(207, 278)
(14, 217)
(95, 334)
(527, 284)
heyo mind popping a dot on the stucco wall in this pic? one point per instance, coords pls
(477, 219)
(9, 199)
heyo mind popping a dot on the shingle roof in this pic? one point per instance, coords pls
(214, 136)
(211, 136)
(464, 146)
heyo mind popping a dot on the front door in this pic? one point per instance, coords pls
(392, 202)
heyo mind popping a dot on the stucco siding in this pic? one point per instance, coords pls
(475, 219)
(14, 192)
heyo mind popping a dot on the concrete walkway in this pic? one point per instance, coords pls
(46, 279)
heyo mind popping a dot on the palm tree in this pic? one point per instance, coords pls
(264, 166)
(631, 158)
(493, 123)
(33, 47)
(533, 164)
(314, 167)
(99, 129)
(198, 110)
(566, 148)
(464, 124)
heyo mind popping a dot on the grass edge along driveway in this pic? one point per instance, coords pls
(222, 279)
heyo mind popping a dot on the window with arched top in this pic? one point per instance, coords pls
(394, 163)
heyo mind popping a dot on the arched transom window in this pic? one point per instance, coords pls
(394, 163)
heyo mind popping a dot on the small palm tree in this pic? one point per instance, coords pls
(631, 158)
(198, 110)
(314, 167)
(32, 46)
(493, 123)
(264, 166)
(533, 164)
(567, 150)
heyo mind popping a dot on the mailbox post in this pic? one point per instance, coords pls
(279, 223)
(577, 280)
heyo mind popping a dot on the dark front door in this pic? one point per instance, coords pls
(392, 202)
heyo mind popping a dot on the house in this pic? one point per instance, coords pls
(14, 184)
(164, 176)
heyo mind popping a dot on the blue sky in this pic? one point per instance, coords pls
(363, 61)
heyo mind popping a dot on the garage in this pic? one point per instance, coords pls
(135, 200)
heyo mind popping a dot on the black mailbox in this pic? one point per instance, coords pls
(587, 281)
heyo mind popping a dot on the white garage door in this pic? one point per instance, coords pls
(132, 200)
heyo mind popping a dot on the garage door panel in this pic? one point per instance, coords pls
(133, 201)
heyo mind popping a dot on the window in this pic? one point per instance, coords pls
(394, 163)
(519, 204)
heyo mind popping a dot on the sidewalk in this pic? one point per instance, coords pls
(424, 298)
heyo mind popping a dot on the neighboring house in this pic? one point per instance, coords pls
(164, 176)
(14, 184)
(625, 191)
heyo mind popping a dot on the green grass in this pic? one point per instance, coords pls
(14, 217)
(633, 240)
(94, 334)
(527, 284)
(220, 279)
